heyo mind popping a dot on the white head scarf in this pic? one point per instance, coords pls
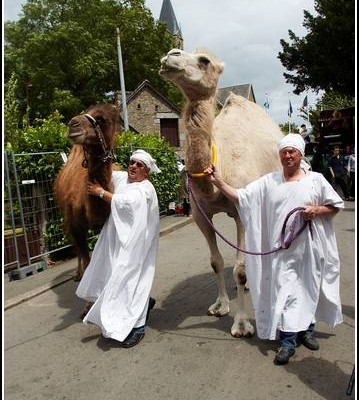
(296, 141)
(146, 158)
(293, 140)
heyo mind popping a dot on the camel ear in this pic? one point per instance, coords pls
(221, 66)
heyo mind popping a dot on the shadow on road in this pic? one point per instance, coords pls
(314, 372)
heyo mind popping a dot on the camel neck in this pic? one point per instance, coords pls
(198, 117)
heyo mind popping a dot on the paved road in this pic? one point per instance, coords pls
(185, 355)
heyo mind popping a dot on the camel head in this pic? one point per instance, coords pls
(195, 74)
(98, 123)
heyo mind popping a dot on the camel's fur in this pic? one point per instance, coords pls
(246, 140)
(79, 210)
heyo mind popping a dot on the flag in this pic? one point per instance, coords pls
(290, 109)
(305, 102)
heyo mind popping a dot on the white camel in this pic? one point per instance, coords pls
(244, 139)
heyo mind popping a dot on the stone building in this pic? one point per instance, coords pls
(149, 111)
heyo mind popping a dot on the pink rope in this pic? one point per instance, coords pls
(285, 243)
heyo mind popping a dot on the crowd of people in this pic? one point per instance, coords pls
(338, 167)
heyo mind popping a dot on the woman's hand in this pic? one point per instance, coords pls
(94, 188)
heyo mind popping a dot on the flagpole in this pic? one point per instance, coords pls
(289, 113)
(122, 82)
(307, 109)
(266, 103)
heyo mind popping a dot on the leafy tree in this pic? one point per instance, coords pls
(67, 50)
(285, 128)
(324, 58)
(11, 113)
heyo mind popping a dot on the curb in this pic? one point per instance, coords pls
(176, 225)
(35, 292)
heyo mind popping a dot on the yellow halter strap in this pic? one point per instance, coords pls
(214, 162)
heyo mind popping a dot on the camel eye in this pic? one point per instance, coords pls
(204, 61)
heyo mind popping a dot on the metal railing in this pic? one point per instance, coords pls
(32, 223)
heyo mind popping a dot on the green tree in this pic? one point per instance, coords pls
(285, 128)
(11, 113)
(325, 58)
(67, 50)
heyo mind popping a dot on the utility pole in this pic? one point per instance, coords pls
(28, 85)
(122, 81)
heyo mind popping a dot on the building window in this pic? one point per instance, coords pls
(138, 106)
(156, 107)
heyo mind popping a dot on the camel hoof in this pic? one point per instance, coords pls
(218, 309)
(242, 329)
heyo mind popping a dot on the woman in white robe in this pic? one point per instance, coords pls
(119, 277)
(290, 289)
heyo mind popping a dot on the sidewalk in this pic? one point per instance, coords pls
(18, 291)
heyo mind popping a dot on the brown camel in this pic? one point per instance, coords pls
(93, 135)
(243, 137)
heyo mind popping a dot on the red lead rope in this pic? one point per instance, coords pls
(285, 243)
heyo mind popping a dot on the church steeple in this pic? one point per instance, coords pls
(167, 16)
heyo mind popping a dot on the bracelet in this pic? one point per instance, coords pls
(102, 193)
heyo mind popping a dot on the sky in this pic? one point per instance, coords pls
(245, 35)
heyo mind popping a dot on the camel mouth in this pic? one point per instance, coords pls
(76, 136)
(164, 70)
(168, 69)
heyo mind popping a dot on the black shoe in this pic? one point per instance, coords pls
(132, 339)
(151, 304)
(283, 355)
(310, 342)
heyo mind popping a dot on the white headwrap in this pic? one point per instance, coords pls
(295, 140)
(146, 158)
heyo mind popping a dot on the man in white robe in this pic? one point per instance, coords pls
(290, 289)
(119, 277)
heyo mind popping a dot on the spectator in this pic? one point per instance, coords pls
(186, 207)
(304, 133)
(339, 172)
(351, 172)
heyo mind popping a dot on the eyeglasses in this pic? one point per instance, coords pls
(289, 150)
(138, 164)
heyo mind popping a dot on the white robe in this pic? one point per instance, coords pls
(294, 287)
(119, 277)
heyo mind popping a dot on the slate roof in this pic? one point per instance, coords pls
(167, 16)
(245, 91)
(146, 84)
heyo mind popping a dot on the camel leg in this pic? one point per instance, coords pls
(221, 305)
(79, 237)
(241, 326)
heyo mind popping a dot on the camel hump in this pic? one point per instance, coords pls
(234, 100)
